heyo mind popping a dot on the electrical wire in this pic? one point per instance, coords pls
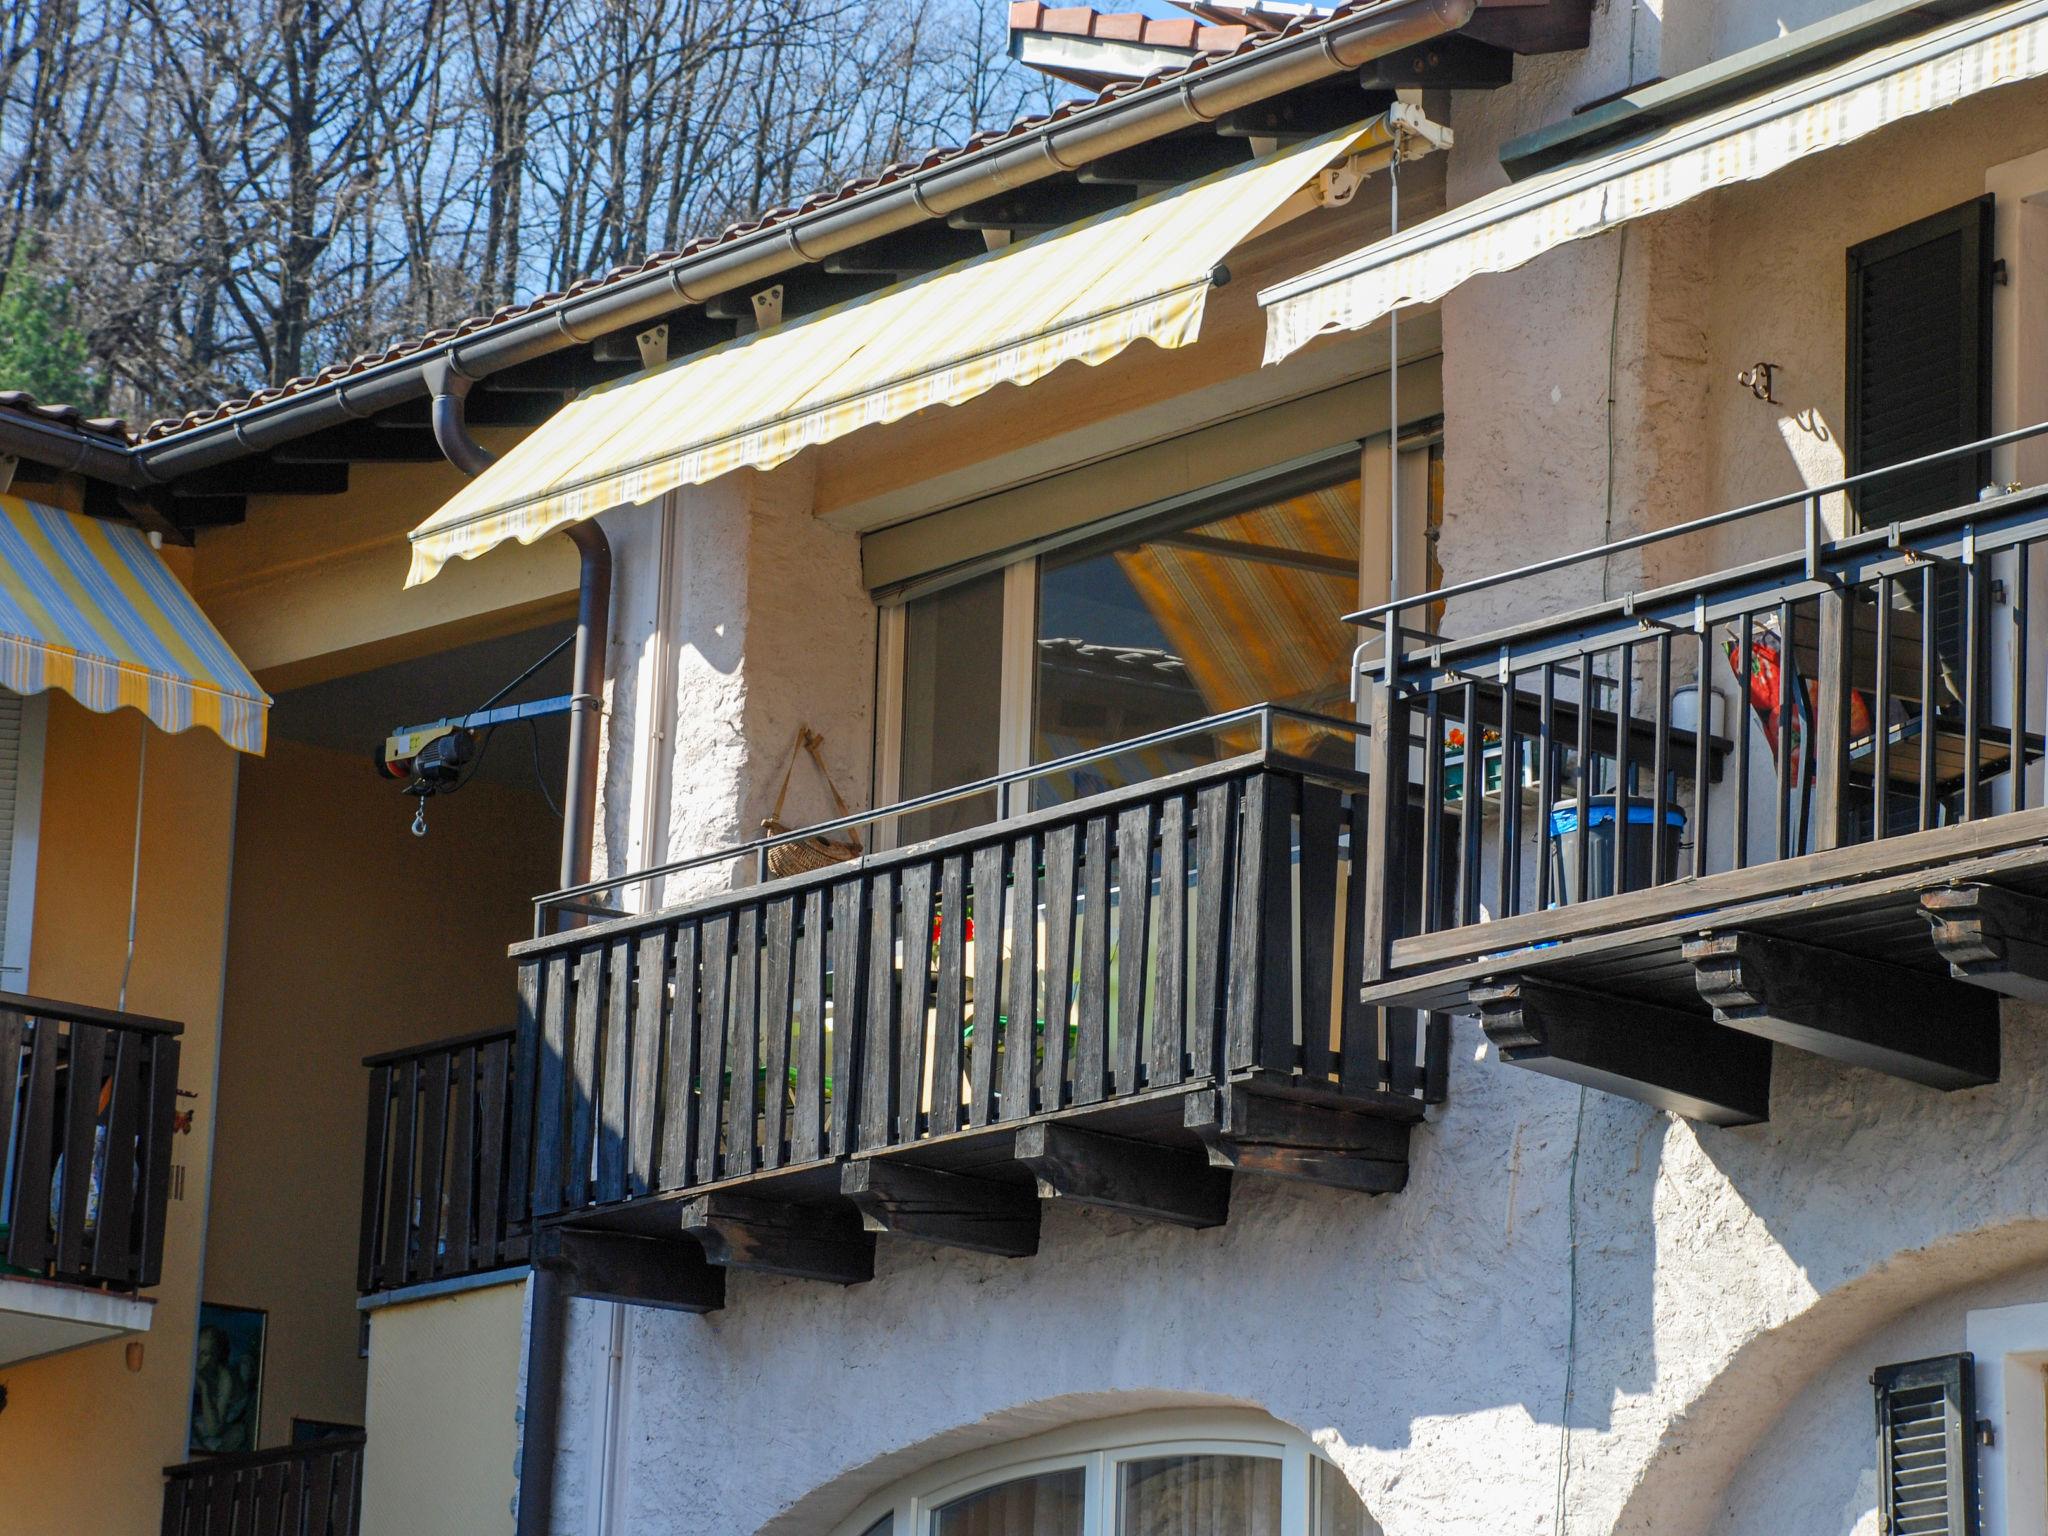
(540, 779)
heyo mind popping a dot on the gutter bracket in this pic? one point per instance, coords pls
(653, 345)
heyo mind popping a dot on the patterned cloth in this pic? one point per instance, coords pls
(89, 607)
(1743, 142)
(1083, 292)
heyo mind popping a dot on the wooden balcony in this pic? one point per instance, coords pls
(306, 1490)
(1855, 863)
(88, 1102)
(1124, 1001)
(438, 1195)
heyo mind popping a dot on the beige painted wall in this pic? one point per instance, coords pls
(443, 1405)
(350, 936)
(84, 1439)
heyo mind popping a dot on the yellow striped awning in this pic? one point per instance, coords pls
(89, 607)
(1742, 142)
(1085, 291)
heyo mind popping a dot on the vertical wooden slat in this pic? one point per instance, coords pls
(1320, 814)
(156, 1140)
(587, 1018)
(613, 1084)
(1091, 1029)
(1973, 681)
(220, 1513)
(1880, 715)
(679, 1066)
(2021, 609)
(1020, 1028)
(1826, 790)
(369, 1272)
(269, 1499)
(1546, 781)
(1508, 854)
(988, 982)
(1215, 871)
(28, 1233)
(176, 1490)
(913, 998)
(878, 1041)
(1930, 592)
(744, 1045)
(645, 1037)
(778, 959)
(1660, 756)
(1702, 744)
(1259, 1011)
(1786, 703)
(433, 1134)
(457, 1251)
(318, 1511)
(1385, 867)
(1471, 818)
(849, 989)
(1358, 1052)
(551, 1089)
(1624, 770)
(81, 1122)
(1170, 948)
(114, 1256)
(398, 1215)
(807, 1133)
(525, 1083)
(494, 1089)
(13, 1073)
(950, 1006)
(715, 938)
(1134, 903)
(1432, 810)
(1056, 991)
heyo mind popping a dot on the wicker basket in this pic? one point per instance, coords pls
(806, 853)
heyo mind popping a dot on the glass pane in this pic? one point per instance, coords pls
(1242, 609)
(1046, 1505)
(881, 1527)
(952, 701)
(1199, 1496)
(1338, 1511)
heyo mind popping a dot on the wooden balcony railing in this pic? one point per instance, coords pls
(88, 1101)
(304, 1490)
(1133, 964)
(1566, 843)
(438, 1191)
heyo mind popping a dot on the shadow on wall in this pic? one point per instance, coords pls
(1881, 1196)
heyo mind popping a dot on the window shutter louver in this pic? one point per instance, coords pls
(1919, 381)
(1926, 1447)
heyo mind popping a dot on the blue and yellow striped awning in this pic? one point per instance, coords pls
(89, 607)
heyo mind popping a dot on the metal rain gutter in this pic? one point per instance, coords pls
(1052, 149)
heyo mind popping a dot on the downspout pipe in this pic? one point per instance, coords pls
(547, 1301)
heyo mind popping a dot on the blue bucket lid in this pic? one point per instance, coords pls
(1564, 815)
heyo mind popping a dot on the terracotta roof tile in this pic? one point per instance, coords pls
(1240, 40)
(21, 403)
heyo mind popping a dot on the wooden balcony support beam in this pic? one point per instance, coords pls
(1248, 1132)
(1849, 1008)
(932, 1206)
(808, 1242)
(1664, 1057)
(1991, 937)
(1153, 1183)
(639, 1271)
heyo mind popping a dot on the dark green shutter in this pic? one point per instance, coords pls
(1920, 361)
(1927, 1447)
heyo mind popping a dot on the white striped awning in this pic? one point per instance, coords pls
(1742, 142)
(1085, 291)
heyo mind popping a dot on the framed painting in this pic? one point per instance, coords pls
(227, 1379)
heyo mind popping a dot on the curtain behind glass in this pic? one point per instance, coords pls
(1046, 1505)
(1199, 1496)
(952, 701)
(1338, 1511)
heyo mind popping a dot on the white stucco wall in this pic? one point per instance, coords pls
(1731, 1289)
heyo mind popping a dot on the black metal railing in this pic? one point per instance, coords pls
(88, 1104)
(1869, 688)
(1188, 930)
(314, 1489)
(438, 1186)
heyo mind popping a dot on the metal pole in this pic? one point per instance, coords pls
(1393, 430)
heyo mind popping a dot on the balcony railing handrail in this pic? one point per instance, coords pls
(234, 1461)
(1811, 495)
(80, 1013)
(759, 847)
(438, 1047)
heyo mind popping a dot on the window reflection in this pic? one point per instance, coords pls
(952, 701)
(1046, 1505)
(1199, 1496)
(1338, 1511)
(1180, 624)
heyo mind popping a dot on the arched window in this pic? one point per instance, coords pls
(1157, 1474)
